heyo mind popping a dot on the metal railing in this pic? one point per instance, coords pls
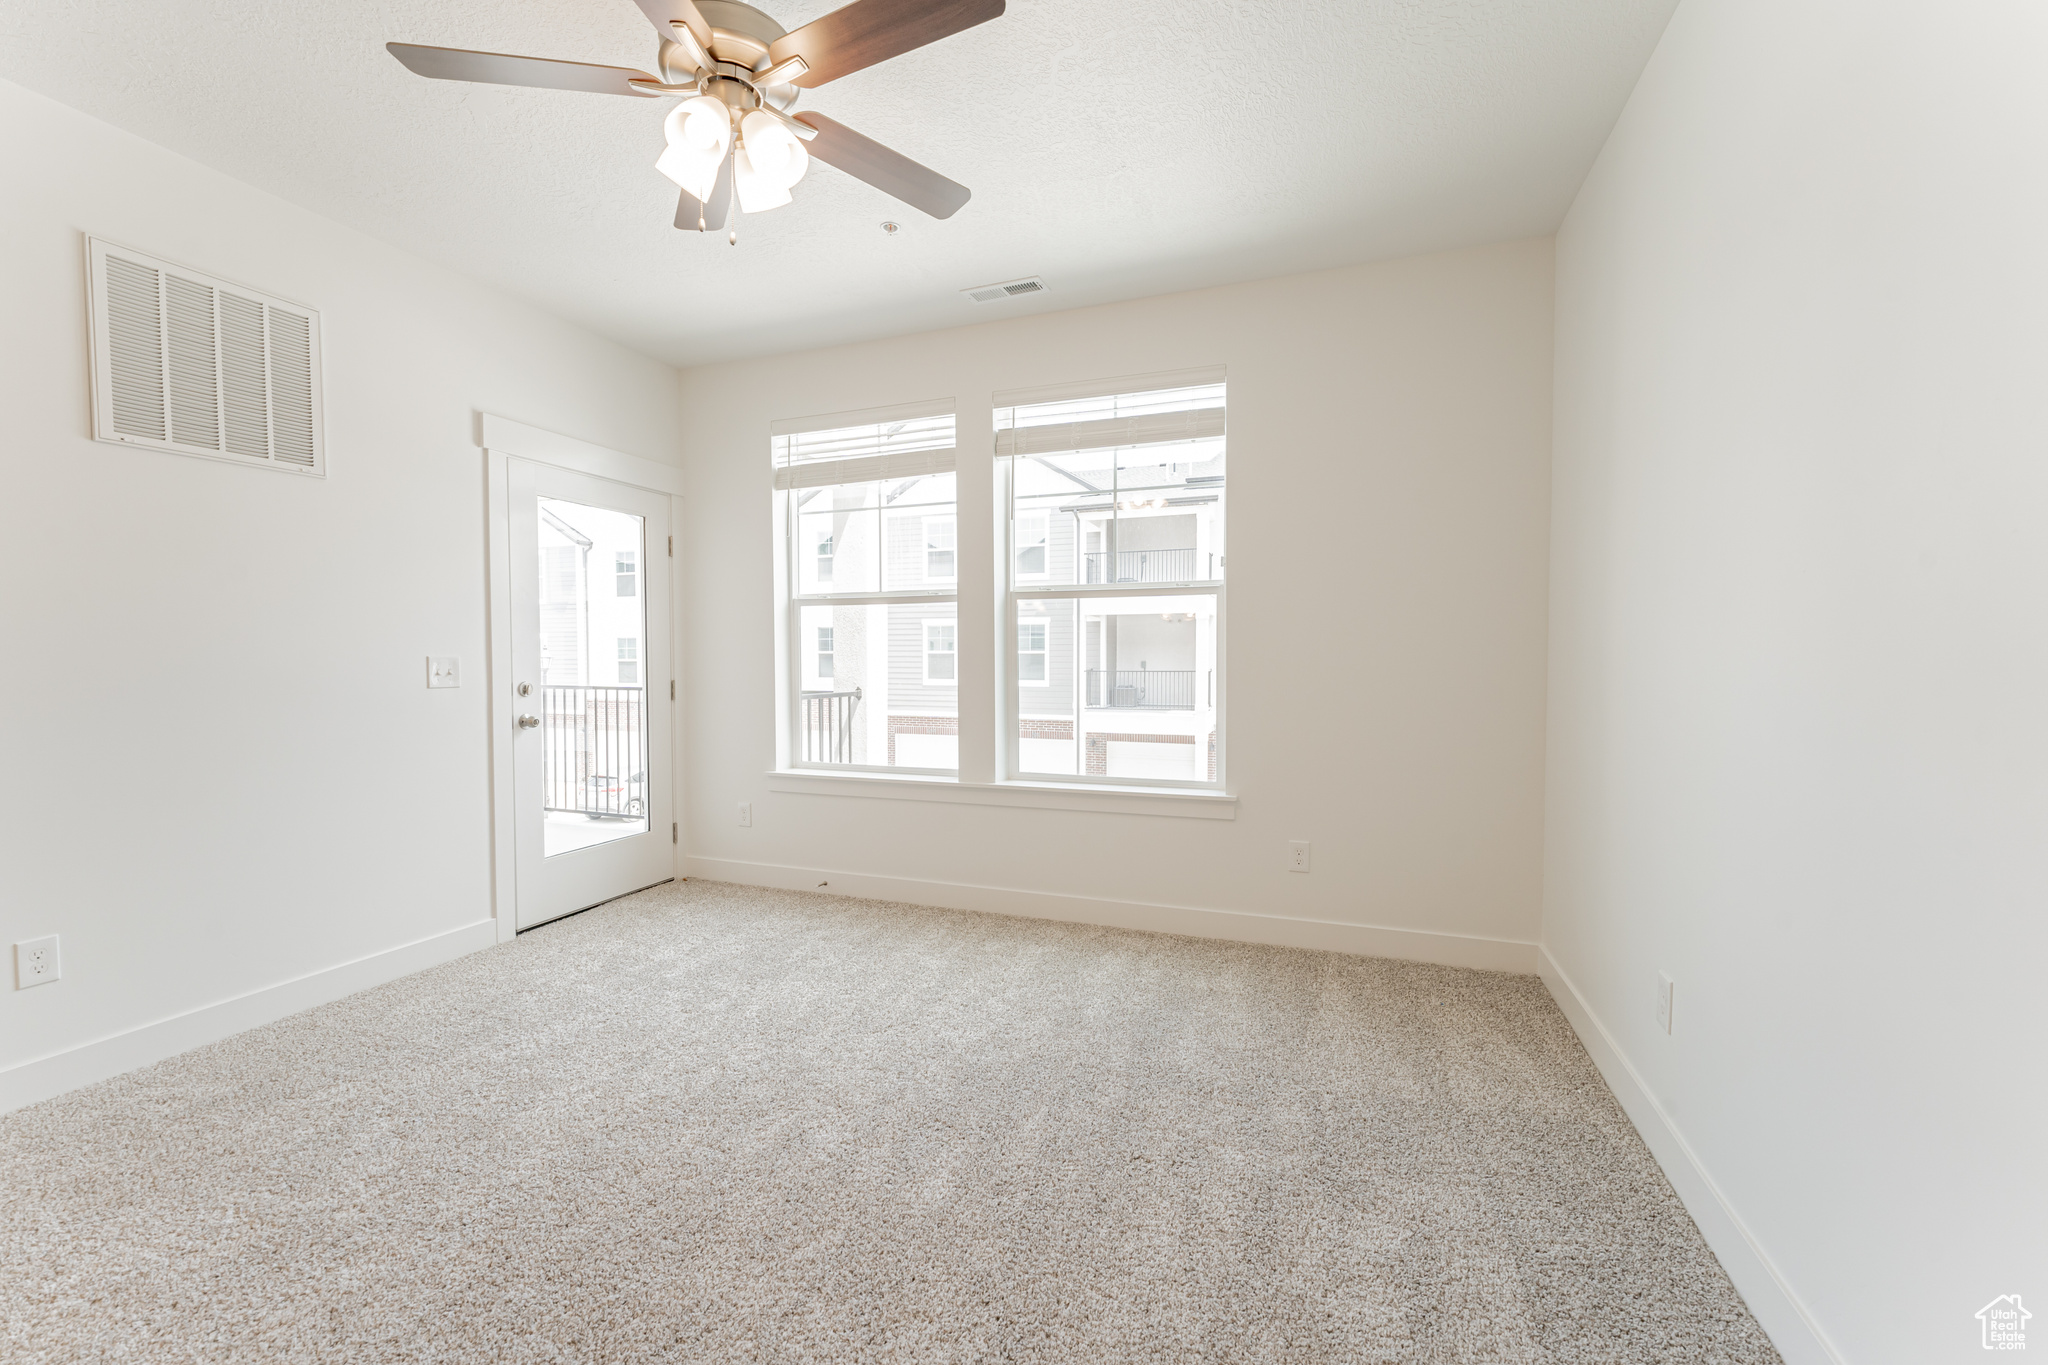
(595, 745)
(1152, 689)
(1144, 566)
(828, 726)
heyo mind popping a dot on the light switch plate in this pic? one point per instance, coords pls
(444, 671)
(1664, 990)
(36, 963)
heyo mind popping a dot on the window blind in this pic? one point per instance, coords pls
(1159, 416)
(815, 452)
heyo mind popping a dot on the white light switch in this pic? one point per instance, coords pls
(1664, 989)
(35, 963)
(443, 671)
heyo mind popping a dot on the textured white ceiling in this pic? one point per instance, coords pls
(1117, 150)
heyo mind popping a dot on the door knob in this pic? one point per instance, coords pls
(528, 722)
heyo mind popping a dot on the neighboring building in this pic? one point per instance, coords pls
(592, 626)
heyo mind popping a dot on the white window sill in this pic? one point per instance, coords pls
(1169, 801)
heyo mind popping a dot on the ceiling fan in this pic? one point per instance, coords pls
(737, 73)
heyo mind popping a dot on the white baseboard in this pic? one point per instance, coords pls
(1771, 1298)
(1365, 940)
(41, 1078)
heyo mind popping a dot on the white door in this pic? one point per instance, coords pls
(591, 689)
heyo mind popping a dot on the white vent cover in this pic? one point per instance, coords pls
(1009, 289)
(182, 361)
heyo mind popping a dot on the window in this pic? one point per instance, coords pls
(1031, 653)
(1033, 529)
(941, 653)
(1100, 642)
(938, 548)
(629, 661)
(1116, 581)
(868, 506)
(624, 573)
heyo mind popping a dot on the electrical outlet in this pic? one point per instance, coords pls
(1664, 1002)
(443, 671)
(35, 963)
(1297, 856)
(746, 815)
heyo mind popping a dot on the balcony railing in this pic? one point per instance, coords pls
(1147, 566)
(595, 746)
(1151, 689)
(828, 726)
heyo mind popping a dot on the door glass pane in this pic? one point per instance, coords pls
(593, 634)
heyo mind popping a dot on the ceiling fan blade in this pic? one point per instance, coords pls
(892, 173)
(498, 68)
(694, 215)
(663, 13)
(870, 31)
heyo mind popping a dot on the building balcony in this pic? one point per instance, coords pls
(1148, 689)
(1148, 566)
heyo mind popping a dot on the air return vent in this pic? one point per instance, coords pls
(182, 361)
(989, 293)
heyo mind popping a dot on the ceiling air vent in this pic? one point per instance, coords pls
(989, 293)
(182, 361)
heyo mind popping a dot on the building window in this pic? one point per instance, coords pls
(1031, 653)
(868, 513)
(1116, 582)
(625, 573)
(1034, 529)
(941, 653)
(938, 548)
(629, 661)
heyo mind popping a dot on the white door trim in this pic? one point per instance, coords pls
(503, 439)
(508, 437)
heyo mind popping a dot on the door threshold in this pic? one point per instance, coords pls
(571, 914)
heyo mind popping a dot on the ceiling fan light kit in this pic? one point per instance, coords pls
(732, 142)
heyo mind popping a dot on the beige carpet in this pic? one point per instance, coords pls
(712, 1123)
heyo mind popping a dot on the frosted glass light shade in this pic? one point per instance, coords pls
(776, 153)
(757, 191)
(699, 131)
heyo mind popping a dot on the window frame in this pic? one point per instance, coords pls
(820, 466)
(1016, 589)
(864, 466)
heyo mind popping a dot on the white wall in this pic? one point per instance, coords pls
(222, 767)
(1390, 429)
(1799, 660)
